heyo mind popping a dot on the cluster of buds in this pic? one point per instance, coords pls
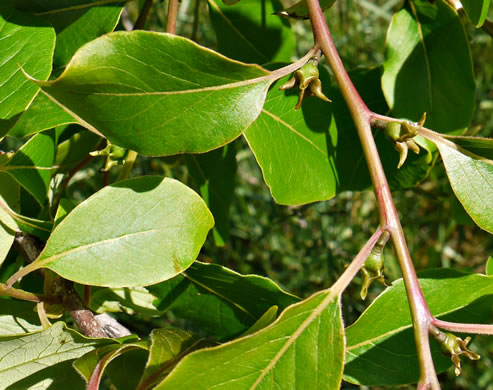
(309, 84)
(402, 134)
(374, 265)
(115, 155)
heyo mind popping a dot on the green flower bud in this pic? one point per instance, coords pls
(115, 155)
(309, 84)
(374, 265)
(401, 135)
(454, 346)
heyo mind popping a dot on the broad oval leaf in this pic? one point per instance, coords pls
(25, 42)
(25, 357)
(75, 21)
(218, 300)
(376, 341)
(159, 94)
(303, 349)
(428, 67)
(141, 231)
(476, 10)
(472, 182)
(250, 32)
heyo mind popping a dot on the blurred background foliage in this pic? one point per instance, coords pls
(306, 248)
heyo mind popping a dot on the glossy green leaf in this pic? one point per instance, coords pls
(159, 94)
(142, 231)
(314, 153)
(249, 32)
(303, 349)
(25, 355)
(93, 364)
(25, 42)
(32, 164)
(168, 346)
(129, 300)
(17, 317)
(75, 21)
(428, 67)
(296, 149)
(300, 9)
(380, 344)
(215, 298)
(42, 114)
(214, 173)
(267, 318)
(472, 182)
(9, 195)
(476, 10)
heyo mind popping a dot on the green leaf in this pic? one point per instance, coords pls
(296, 149)
(17, 317)
(25, 42)
(303, 349)
(32, 164)
(129, 300)
(249, 32)
(168, 346)
(428, 67)
(300, 9)
(481, 146)
(314, 153)
(42, 114)
(214, 173)
(9, 195)
(489, 266)
(376, 341)
(218, 300)
(76, 22)
(36, 227)
(472, 182)
(132, 364)
(267, 318)
(65, 206)
(159, 94)
(24, 355)
(93, 364)
(476, 10)
(142, 231)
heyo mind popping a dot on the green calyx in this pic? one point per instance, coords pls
(402, 134)
(115, 155)
(373, 268)
(307, 79)
(454, 346)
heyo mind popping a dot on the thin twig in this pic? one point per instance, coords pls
(172, 15)
(30, 248)
(389, 218)
(141, 20)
